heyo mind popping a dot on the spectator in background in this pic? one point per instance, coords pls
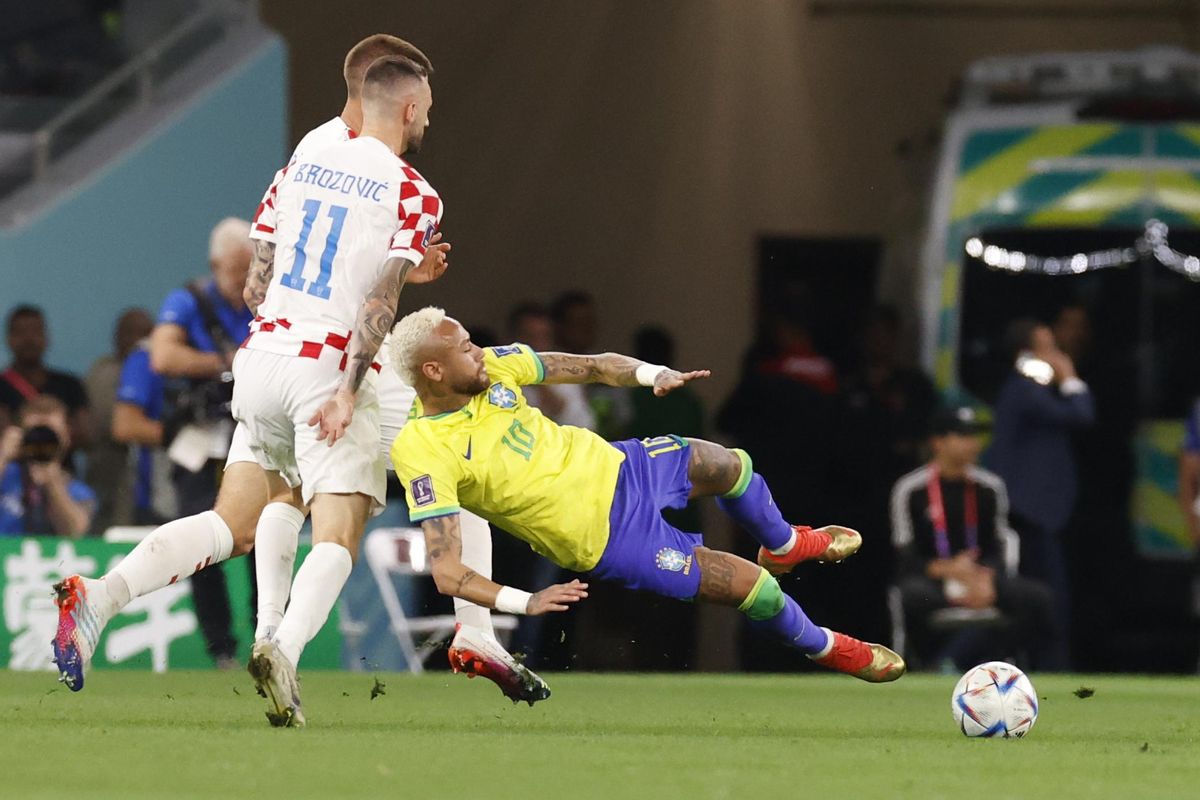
(888, 403)
(197, 335)
(1040, 404)
(37, 496)
(107, 467)
(574, 317)
(680, 412)
(883, 415)
(947, 520)
(885, 410)
(566, 404)
(783, 406)
(137, 424)
(28, 377)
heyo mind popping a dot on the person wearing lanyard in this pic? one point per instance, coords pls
(947, 517)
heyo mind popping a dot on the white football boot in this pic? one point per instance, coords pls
(275, 679)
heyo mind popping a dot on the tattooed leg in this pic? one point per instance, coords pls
(728, 580)
(725, 579)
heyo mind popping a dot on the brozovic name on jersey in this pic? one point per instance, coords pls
(339, 181)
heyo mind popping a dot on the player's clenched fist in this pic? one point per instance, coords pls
(433, 263)
(556, 597)
(333, 417)
(669, 380)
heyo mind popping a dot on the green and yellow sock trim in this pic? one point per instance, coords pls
(765, 599)
(743, 481)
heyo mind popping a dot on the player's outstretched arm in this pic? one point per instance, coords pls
(262, 269)
(443, 541)
(614, 369)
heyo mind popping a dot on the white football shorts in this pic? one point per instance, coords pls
(274, 396)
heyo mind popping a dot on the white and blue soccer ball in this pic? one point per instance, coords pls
(994, 700)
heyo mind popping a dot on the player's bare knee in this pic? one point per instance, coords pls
(241, 524)
(714, 469)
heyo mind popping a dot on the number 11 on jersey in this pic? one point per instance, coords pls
(294, 280)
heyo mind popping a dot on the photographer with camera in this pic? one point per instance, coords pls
(192, 346)
(38, 496)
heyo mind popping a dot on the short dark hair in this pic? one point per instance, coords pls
(390, 70)
(23, 310)
(525, 309)
(376, 46)
(1018, 335)
(568, 300)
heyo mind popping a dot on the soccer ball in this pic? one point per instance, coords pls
(994, 699)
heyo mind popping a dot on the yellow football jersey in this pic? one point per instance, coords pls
(551, 485)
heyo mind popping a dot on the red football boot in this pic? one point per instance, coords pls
(829, 544)
(872, 663)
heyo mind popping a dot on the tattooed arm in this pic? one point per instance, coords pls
(262, 268)
(612, 369)
(375, 318)
(443, 543)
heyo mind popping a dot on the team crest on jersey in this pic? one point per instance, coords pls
(501, 396)
(672, 560)
(506, 350)
(422, 491)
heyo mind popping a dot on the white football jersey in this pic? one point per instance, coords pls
(332, 132)
(341, 212)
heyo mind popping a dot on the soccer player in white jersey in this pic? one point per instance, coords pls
(474, 649)
(331, 299)
(259, 510)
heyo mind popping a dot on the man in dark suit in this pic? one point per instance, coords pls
(1040, 404)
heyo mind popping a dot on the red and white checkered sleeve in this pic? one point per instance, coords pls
(420, 214)
(263, 225)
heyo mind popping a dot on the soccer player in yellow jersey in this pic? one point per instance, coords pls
(590, 505)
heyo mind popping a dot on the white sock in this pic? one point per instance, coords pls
(791, 542)
(824, 651)
(172, 552)
(318, 583)
(477, 556)
(106, 595)
(274, 559)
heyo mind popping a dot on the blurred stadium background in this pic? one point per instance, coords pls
(742, 175)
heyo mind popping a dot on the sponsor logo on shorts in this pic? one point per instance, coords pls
(672, 560)
(501, 396)
(421, 490)
(506, 350)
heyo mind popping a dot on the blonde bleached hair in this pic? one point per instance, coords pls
(228, 234)
(408, 336)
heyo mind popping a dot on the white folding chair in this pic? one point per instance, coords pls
(395, 552)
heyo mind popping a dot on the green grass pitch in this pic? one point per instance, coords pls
(203, 734)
